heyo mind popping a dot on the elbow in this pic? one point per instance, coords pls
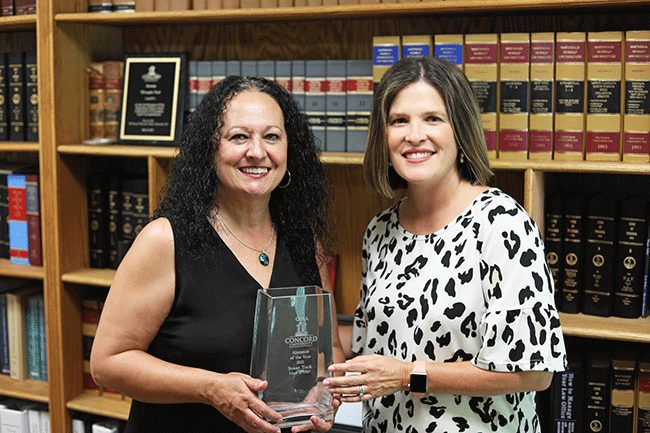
(98, 370)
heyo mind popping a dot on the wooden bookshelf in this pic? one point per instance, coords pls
(102, 406)
(34, 390)
(69, 39)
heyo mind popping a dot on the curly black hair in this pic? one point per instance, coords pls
(300, 212)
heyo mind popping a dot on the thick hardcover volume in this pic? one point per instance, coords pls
(514, 93)
(636, 117)
(203, 82)
(604, 74)
(113, 77)
(385, 53)
(32, 336)
(283, 74)
(90, 313)
(114, 228)
(449, 47)
(4, 336)
(96, 113)
(25, 7)
(567, 398)
(298, 82)
(31, 97)
(192, 85)
(573, 255)
(621, 415)
(16, 62)
(233, 67)
(125, 5)
(144, 5)
(97, 221)
(630, 255)
(178, 5)
(7, 8)
(100, 6)
(480, 57)
(266, 69)
(643, 394)
(249, 68)
(335, 105)
(32, 198)
(16, 332)
(4, 98)
(315, 99)
(161, 5)
(553, 233)
(599, 257)
(646, 276)
(570, 55)
(218, 71)
(416, 46)
(542, 78)
(18, 237)
(597, 392)
(135, 207)
(359, 94)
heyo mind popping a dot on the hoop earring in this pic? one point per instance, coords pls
(288, 180)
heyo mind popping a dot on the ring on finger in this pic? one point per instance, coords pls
(362, 390)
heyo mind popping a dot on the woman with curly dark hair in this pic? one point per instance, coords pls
(245, 208)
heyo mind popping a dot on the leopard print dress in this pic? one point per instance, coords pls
(478, 290)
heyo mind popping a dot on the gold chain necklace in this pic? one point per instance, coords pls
(263, 257)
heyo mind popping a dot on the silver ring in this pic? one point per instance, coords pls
(362, 391)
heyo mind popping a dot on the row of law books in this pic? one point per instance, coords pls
(118, 208)
(20, 216)
(23, 416)
(17, 7)
(18, 96)
(105, 97)
(185, 5)
(598, 251)
(565, 96)
(88, 423)
(22, 330)
(334, 94)
(603, 390)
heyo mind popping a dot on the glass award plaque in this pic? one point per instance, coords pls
(292, 348)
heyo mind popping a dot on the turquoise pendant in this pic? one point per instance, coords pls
(263, 258)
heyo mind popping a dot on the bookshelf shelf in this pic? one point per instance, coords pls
(102, 406)
(13, 146)
(33, 390)
(119, 150)
(8, 269)
(608, 328)
(338, 12)
(18, 22)
(90, 276)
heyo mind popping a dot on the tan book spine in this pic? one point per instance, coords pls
(542, 76)
(314, 2)
(449, 47)
(362, 2)
(388, 1)
(161, 5)
(285, 3)
(249, 4)
(180, 5)
(330, 2)
(480, 53)
(113, 95)
(269, 3)
(514, 91)
(386, 52)
(570, 96)
(348, 2)
(96, 114)
(144, 5)
(219, 4)
(604, 75)
(300, 3)
(417, 46)
(636, 112)
(230, 4)
(199, 5)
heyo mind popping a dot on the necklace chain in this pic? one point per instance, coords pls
(263, 257)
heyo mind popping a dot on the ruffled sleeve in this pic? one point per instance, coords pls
(520, 329)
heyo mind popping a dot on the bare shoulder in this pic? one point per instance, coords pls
(158, 233)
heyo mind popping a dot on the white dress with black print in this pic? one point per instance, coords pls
(478, 290)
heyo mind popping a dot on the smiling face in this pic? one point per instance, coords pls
(421, 143)
(252, 155)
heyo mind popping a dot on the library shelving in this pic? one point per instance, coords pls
(69, 39)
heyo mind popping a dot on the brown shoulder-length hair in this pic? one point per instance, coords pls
(462, 108)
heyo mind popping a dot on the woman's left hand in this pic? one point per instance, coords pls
(318, 424)
(377, 376)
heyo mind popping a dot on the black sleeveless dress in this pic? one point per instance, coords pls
(210, 326)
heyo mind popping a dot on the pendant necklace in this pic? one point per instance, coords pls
(263, 257)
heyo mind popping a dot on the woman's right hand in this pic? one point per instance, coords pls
(235, 396)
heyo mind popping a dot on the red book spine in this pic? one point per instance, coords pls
(33, 220)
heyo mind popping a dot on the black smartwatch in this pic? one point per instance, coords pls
(419, 380)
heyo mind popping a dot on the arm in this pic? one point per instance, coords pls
(382, 375)
(142, 293)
